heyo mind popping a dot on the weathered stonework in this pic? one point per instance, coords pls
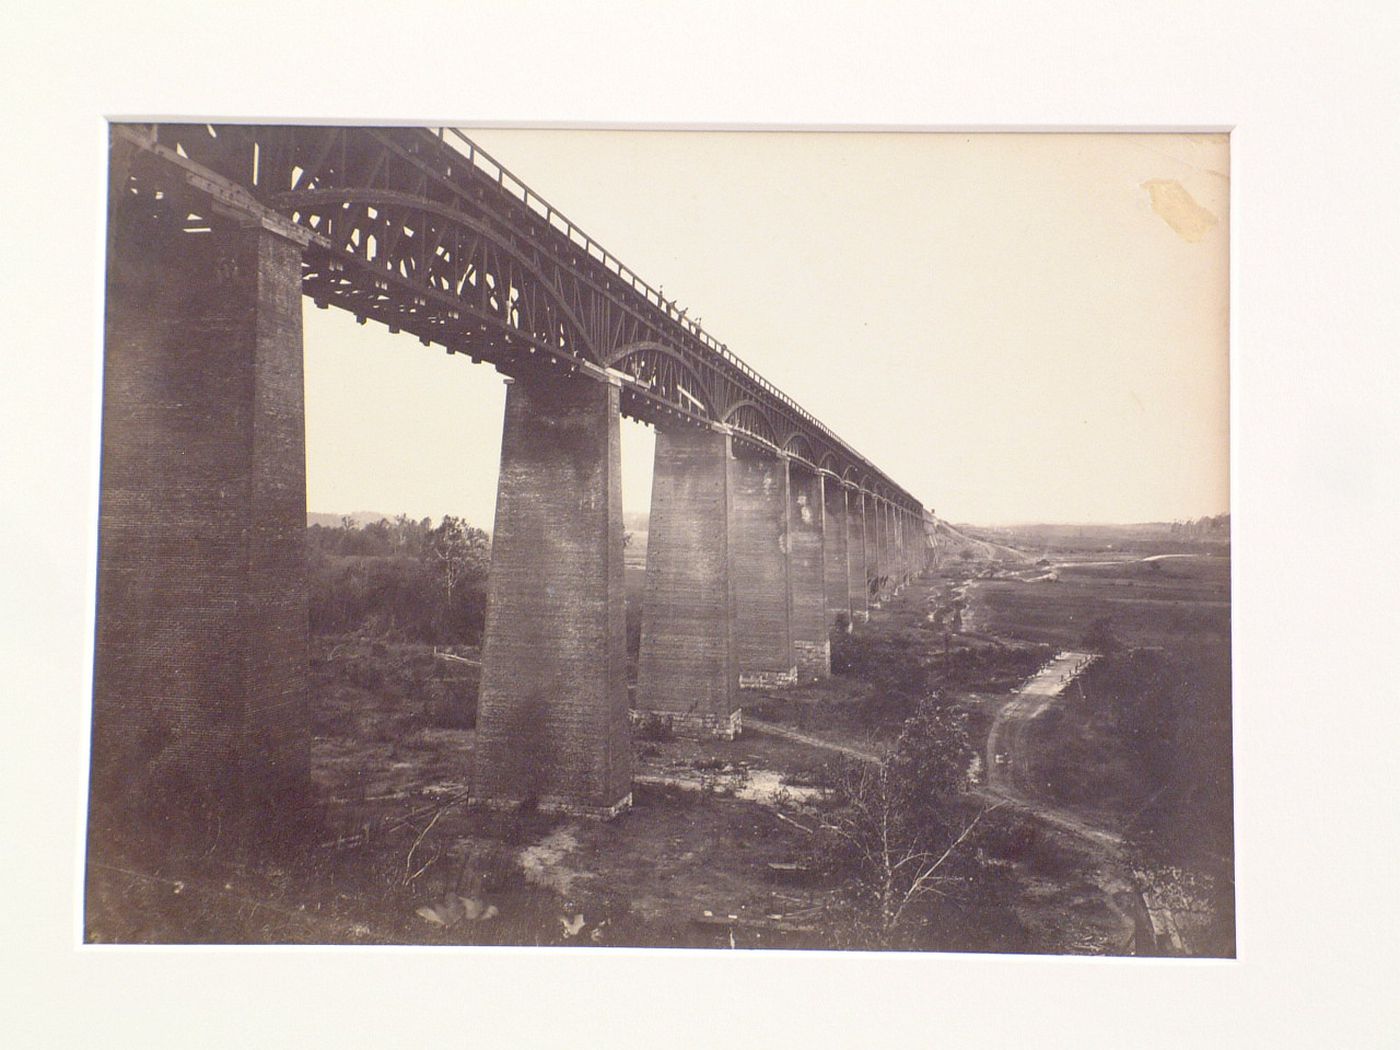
(759, 549)
(889, 570)
(877, 555)
(856, 577)
(200, 682)
(835, 557)
(813, 659)
(768, 679)
(688, 667)
(807, 573)
(695, 726)
(897, 542)
(911, 546)
(552, 716)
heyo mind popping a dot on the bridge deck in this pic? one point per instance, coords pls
(425, 232)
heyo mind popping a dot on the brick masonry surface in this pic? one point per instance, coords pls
(200, 683)
(688, 664)
(856, 554)
(768, 679)
(836, 558)
(759, 547)
(725, 727)
(552, 717)
(879, 518)
(807, 573)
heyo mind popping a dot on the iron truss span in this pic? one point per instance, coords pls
(422, 230)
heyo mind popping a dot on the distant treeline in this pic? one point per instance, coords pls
(1213, 532)
(404, 579)
(1217, 526)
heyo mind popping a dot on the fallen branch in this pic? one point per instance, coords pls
(789, 820)
(408, 861)
(456, 659)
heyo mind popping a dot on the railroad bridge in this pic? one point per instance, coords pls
(766, 528)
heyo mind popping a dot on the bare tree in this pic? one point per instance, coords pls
(898, 862)
(899, 824)
(459, 552)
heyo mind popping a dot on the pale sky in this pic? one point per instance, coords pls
(1014, 327)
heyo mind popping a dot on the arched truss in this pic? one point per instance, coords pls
(799, 445)
(748, 417)
(666, 374)
(395, 238)
(438, 252)
(424, 232)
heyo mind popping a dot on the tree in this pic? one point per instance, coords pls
(1102, 637)
(897, 825)
(458, 552)
(406, 535)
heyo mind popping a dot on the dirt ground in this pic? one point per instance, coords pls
(712, 853)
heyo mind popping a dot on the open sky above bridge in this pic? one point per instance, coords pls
(1014, 327)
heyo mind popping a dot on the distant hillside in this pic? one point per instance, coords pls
(955, 541)
(1214, 531)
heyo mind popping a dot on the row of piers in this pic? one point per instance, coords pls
(200, 681)
(753, 558)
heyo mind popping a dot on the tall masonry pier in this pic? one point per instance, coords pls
(552, 714)
(811, 627)
(767, 530)
(688, 668)
(836, 558)
(760, 544)
(200, 677)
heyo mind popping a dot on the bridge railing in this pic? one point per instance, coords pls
(517, 187)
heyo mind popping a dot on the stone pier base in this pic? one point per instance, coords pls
(768, 679)
(813, 659)
(695, 726)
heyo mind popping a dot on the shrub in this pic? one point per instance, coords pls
(897, 829)
(653, 726)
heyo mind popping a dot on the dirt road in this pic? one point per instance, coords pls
(1010, 757)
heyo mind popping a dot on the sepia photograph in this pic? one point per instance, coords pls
(628, 524)
(670, 539)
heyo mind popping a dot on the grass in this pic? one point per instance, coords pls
(394, 735)
(1062, 613)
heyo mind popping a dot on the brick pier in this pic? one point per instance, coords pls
(836, 559)
(857, 547)
(811, 639)
(552, 719)
(759, 546)
(688, 670)
(200, 681)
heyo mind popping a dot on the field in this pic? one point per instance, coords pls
(719, 848)
(1173, 601)
(1142, 744)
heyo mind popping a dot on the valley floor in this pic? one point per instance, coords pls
(714, 851)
